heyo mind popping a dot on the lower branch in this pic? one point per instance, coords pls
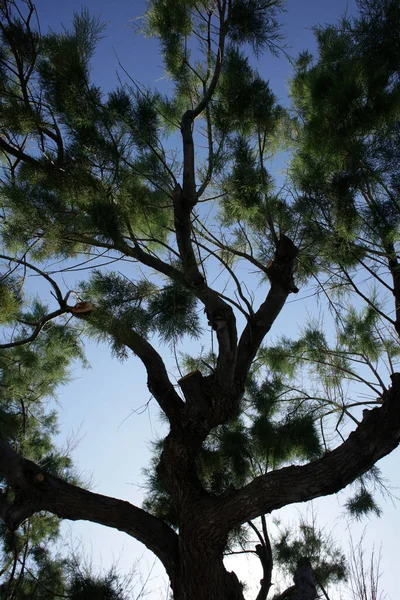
(32, 489)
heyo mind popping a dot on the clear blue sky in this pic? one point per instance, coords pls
(100, 403)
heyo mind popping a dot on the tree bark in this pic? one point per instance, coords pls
(202, 574)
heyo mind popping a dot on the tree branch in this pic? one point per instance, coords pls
(157, 377)
(17, 152)
(24, 263)
(38, 328)
(377, 435)
(280, 273)
(257, 328)
(217, 71)
(219, 313)
(36, 490)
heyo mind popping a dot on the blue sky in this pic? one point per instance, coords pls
(103, 405)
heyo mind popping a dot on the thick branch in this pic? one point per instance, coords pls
(157, 377)
(35, 490)
(219, 313)
(376, 436)
(280, 272)
(256, 329)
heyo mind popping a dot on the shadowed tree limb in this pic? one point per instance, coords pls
(35, 490)
(264, 553)
(256, 329)
(158, 381)
(219, 313)
(16, 152)
(377, 435)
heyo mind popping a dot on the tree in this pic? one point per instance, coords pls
(87, 175)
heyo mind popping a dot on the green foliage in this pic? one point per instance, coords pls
(244, 100)
(347, 101)
(173, 313)
(205, 363)
(158, 500)
(362, 504)
(360, 339)
(171, 21)
(118, 299)
(47, 577)
(29, 375)
(298, 438)
(9, 301)
(255, 22)
(66, 82)
(120, 303)
(360, 333)
(246, 447)
(244, 186)
(307, 539)
(85, 586)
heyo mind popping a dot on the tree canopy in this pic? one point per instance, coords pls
(210, 243)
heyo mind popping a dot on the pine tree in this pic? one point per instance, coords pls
(86, 173)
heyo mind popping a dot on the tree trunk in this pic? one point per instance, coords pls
(203, 576)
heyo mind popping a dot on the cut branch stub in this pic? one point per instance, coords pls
(192, 388)
(81, 308)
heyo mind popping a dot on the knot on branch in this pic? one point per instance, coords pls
(280, 270)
